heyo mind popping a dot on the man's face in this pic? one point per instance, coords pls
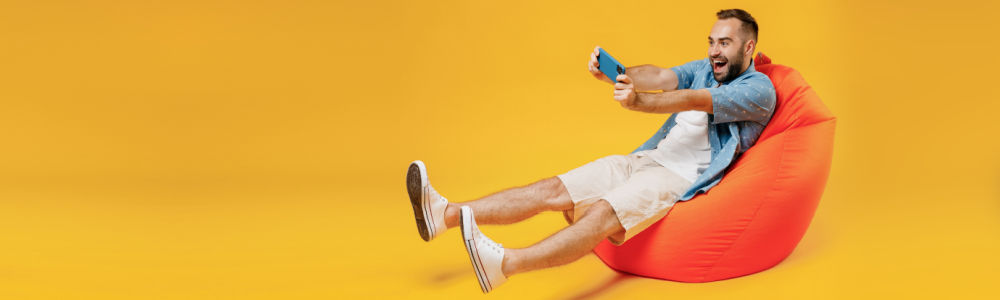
(727, 50)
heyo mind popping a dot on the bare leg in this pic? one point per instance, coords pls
(567, 245)
(514, 204)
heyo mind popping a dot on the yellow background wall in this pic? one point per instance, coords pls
(257, 149)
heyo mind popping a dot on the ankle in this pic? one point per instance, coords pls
(509, 264)
(452, 217)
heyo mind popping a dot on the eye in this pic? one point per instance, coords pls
(725, 44)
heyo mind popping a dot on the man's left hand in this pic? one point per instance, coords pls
(625, 92)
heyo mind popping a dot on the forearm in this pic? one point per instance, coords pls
(673, 101)
(652, 78)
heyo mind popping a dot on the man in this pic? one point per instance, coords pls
(719, 107)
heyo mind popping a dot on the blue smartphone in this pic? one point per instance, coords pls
(609, 66)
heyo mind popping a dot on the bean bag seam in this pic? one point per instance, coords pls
(803, 90)
(760, 204)
(799, 91)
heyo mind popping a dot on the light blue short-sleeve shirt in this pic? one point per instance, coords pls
(741, 108)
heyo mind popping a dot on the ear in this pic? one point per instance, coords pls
(749, 48)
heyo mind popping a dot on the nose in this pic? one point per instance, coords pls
(714, 50)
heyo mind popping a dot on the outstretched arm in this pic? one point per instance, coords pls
(646, 77)
(652, 78)
(669, 101)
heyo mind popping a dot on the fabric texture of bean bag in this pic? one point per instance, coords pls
(758, 213)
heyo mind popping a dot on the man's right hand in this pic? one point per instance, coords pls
(594, 67)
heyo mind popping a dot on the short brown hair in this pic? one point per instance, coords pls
(749, 24)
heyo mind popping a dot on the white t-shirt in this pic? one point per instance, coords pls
(685, 150)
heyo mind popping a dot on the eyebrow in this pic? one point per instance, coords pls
(722, 38)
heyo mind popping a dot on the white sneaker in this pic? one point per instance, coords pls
(428, 205)
(486, 255)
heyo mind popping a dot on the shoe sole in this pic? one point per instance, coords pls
(415, 182)
(473, 251)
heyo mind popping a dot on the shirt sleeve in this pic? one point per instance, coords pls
(751, 99)
(685, 73)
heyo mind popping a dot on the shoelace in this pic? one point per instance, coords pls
(432, 191)
(487, 241)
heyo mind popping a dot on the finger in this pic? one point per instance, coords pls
(621, 96)
(597, 50)
(623, 79)
(622, 86)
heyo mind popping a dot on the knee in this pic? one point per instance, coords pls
(604, 214)
(601, 209)
(555, 194)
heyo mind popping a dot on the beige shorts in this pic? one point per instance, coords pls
(640, 190)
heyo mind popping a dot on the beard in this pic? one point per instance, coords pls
(732, 70)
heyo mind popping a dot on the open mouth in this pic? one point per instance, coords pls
(718, 65)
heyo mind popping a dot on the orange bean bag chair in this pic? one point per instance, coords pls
(760, 210)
